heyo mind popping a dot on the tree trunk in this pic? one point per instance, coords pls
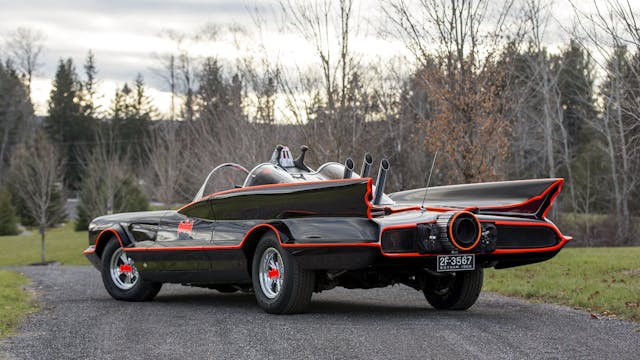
(42, 233)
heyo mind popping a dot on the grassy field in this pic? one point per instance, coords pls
(61, 244)
(601, 280)
(15, 302)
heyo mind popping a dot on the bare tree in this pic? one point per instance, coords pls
(456, 43)
(38, 170)
(329, 28)
(16, 116)
(25, 47)
(167, 156)
(104, 168)
(611, 28)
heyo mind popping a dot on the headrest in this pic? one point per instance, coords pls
(286, 160)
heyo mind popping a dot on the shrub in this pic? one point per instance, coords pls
(8, 218)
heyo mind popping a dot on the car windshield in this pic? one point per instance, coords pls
(223, 177)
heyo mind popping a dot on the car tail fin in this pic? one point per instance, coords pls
(537, 206)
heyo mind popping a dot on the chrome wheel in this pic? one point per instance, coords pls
(123, 271)
(271, 273)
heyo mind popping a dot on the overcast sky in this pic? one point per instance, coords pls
(125, 35)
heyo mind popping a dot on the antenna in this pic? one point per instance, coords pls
(426, 190)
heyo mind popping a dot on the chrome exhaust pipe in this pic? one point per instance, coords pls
(366, 165)
(348, 168)
(382, 178)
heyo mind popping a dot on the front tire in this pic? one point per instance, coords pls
(457, 293)
(280, 285)
(121, 278)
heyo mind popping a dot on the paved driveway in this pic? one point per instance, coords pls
(80, 321)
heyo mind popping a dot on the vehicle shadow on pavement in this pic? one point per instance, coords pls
(212, 298)
(368, 309)
(354, 309)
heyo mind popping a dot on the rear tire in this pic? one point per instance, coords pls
(280, 285)
(121, 278)
(459, 293)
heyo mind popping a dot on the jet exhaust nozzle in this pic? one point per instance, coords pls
(380, 181)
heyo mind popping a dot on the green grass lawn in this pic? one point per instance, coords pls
(600, 280)
(62, 244)
(15, 302)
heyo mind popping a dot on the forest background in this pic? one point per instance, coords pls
(474, 80)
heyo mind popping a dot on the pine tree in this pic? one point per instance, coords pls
(90, 86)
(71, 130)
(131, 113)
(575, 84)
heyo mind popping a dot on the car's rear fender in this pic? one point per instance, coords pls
(251, 238)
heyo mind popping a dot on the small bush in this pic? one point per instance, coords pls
(8, 218)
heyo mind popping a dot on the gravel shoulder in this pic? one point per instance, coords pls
(79, 320)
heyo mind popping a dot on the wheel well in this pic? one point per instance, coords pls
(103, 238)
(253, 236)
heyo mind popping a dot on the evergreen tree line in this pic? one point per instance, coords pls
(509, 109)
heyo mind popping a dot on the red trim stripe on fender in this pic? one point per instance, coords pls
(207, 247)
(564, 240)
(371, 244)
(95, 246)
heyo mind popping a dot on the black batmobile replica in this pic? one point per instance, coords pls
(289, 231)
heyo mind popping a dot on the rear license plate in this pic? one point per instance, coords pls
(460, 262)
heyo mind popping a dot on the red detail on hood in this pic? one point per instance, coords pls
(273, 273)
(126, 268)
(185, 227)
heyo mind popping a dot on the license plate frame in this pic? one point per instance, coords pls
(455, 262)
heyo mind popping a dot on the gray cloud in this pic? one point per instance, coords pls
(72, 27)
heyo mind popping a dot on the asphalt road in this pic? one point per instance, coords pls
(79, 320)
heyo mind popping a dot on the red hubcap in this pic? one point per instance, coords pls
(125, 268)
(273, 273)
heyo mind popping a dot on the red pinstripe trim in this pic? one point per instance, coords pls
(516, 205)
(207, 247)
(563, 241)
(533, 199)
(529, 223)
(553, 197)
(367, 197)
(392, 227)
(273, 228)
(95, 246)
(267, 186)
(331, 245)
